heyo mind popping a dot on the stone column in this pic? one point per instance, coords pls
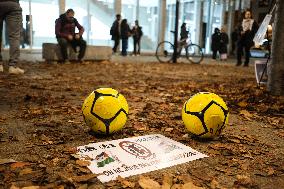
(61, 4)
(162, 20)
(117, 6)
(198, 16)
(231, 18)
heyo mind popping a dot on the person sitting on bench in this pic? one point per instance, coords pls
(65, 34)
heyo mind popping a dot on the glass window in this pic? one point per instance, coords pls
(102, 15)
(148, 19)
(41, 22)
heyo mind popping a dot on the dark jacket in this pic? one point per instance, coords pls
(215, 43)
(125, 31)
(137, 32)
(64, 27)
(183, 33)
(247, 37)
(114, 30)
(224, 40)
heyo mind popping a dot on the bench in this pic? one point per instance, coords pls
(51, 52)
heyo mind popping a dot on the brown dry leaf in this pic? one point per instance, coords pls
(270, 171)
(242, 104)
(83, 178)
(147, 183)
(25, 171)
(19, 165)
(169, 129)
(139, 127)
(83, 163)
(246, 114)
(31, 187)
(243, 180)
(125, 183)
(167, 181)
(4, 161)
(105, 62)
(14, 187)
(214, 184)
(191, 186)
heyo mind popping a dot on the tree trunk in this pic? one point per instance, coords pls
(276, 67)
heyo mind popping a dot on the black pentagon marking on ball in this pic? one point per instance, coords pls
(107, 122)
(200, 115)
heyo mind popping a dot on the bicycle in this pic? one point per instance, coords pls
(193, 52)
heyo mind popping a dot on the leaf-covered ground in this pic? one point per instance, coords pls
(41, 125)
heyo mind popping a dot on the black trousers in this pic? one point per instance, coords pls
(136, 44)
(63, 43)
(241, 47)
(116, 44)
(214, 54)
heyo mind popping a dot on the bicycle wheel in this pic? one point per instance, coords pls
(164, 51)
(194, 53)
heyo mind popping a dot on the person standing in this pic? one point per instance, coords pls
(125, 33)
(248, 30)
(137, 34)
(215, 43)
(224, 40)
(11, 13)
(183, 37)
(115, 33)
(65, 33)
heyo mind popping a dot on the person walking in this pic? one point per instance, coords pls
(248, 29)
(183, 37)
(115, 32)
(125, 33)
(65, 34)
(215, 43)
(224, 40)
(11, 14)
(137, 34)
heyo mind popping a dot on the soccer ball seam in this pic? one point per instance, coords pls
(200, 116)
(107, 122)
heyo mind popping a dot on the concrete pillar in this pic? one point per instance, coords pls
(209, 25)
(137, 9)
(198, 16)
(61, 4)
(117, 6)
(223, 20)
(162, 20)
(231, 19)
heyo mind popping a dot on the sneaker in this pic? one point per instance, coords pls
(15, 70)
(1, 68)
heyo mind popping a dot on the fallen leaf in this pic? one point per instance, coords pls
(147, 183)
(31, 187)
(242, 104)
(25, 171)
(4, 161)
(191, 186)
(125, 183)
(83, 178)
(83, 163)
(19, 165)
(271, 171)
(246, 114)
(167, 181)
(169, 129)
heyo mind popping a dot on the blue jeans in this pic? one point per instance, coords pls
(124, 47)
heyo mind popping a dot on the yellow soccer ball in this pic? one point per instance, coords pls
(105, 110)
(205, 115)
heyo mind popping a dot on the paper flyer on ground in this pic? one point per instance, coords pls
(137, 155)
